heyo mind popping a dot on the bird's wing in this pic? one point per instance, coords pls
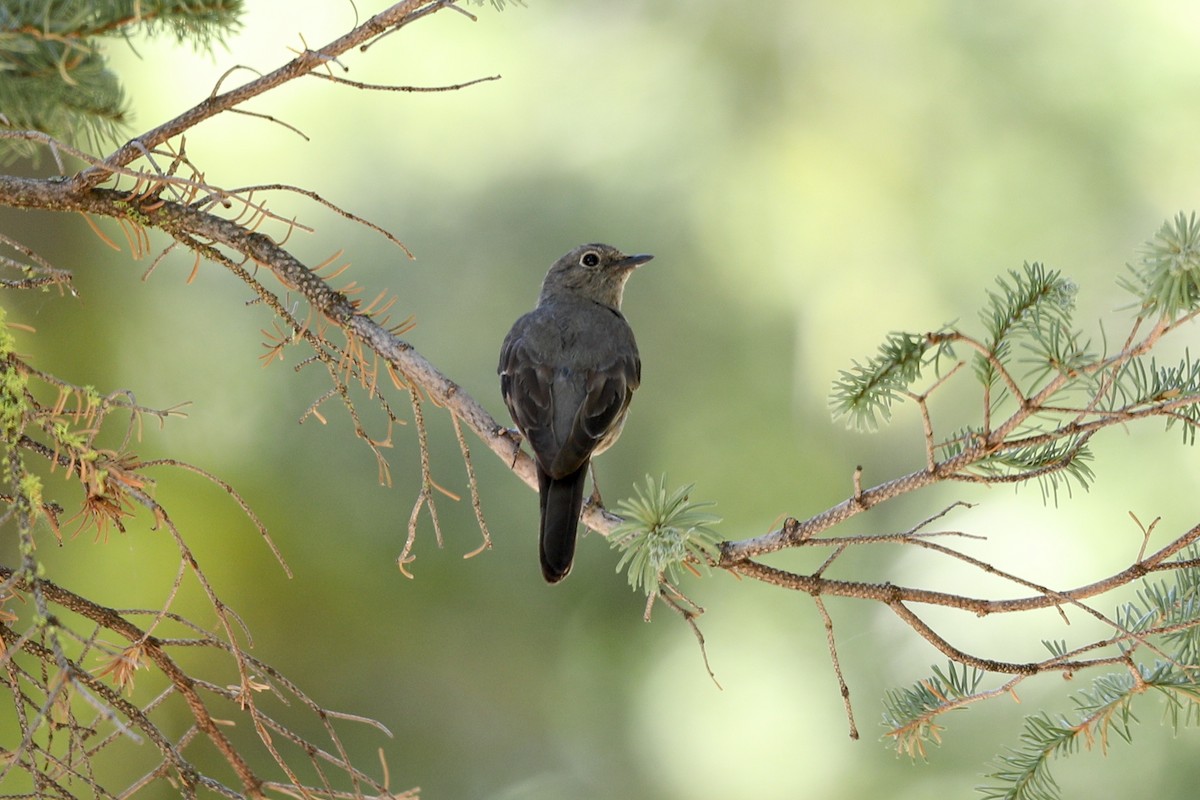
(597, 397)
(609, 389)
(525, 385)
(567, 414)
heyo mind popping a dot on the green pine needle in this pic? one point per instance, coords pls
(662, 535)
(1103, 711)
(1033, 299)
(910, 714)
(1166, 278)
(55, 77)
(865, 393)
(1030, 309)
(1057, 464)
(1143, 383)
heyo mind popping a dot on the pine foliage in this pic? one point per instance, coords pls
(1105, 709)
(1046, 390)
(865, 392)
(664, 534)
(54, 78)
(1167, 277)
(1032, 349)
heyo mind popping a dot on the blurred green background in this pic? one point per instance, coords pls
(810, 176)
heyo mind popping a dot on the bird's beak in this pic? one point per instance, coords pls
(629, 262)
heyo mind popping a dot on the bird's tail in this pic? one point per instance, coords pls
(561, 501)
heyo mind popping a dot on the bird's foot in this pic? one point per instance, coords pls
(512, 435)
(595, 500)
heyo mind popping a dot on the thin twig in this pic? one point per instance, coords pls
(831, 643)
(380, 87)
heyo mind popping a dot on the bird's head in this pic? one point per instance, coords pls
(595, 271)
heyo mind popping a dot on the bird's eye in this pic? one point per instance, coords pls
(590, 259)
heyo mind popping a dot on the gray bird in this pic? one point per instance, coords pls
(567, 372)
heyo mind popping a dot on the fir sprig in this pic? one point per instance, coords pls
(909, 713)
(1105, 708)
(1102, 711)
(1142, 383)
(865, 392)
(1045, 393)
(1061, 463)
(1032, 304)
(663, 533)
(1166, 277)
(194, 21)
(1030, 309)
(55, 78)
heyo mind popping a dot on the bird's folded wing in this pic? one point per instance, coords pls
(600, 414)
(565, 414)
(525, 385)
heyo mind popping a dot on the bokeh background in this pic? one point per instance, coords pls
(810, 176)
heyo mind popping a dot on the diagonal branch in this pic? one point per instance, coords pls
(889, 593)
(390, 19)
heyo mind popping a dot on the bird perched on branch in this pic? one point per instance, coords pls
(567, 372)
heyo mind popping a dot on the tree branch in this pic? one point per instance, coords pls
(393, 18)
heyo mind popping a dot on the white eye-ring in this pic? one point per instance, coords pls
(590, 259)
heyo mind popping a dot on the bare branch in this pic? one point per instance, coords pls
(390, 19)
